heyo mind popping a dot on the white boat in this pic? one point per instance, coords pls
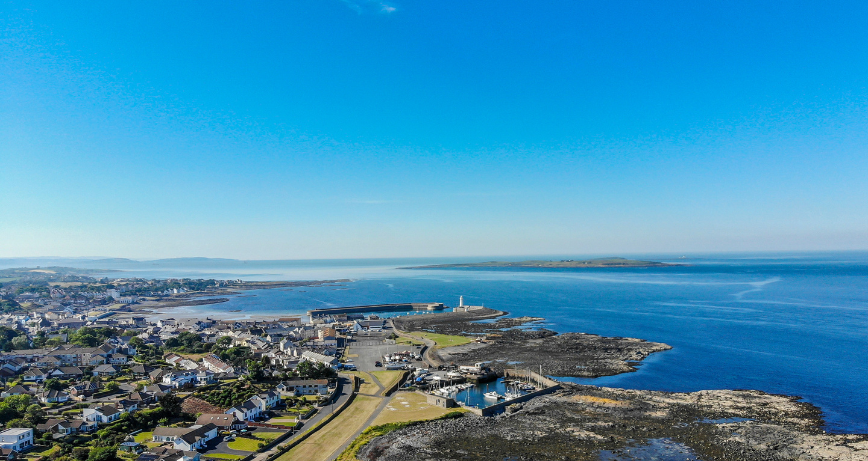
(492, 395)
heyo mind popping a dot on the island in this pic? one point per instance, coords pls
(563, 263)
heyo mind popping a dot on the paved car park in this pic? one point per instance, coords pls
(371, 348)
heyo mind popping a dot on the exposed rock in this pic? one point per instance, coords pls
(592, 423)
(509, 343)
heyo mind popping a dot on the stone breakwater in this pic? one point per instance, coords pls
(593, 423)
(508, 344)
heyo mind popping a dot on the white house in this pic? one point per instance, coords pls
(319, 358)
(266, 400)
(186, 438)
(16, 439)
(213, 363)
(179, 380)
(304, 387)
(247, 411)
(103, 414)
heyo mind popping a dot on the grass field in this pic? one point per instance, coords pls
(244, 444)
(221, 456)
(368, 386)
(409, 341)
(324, 443)
(388, 377)
(442, 340)
(409, 406)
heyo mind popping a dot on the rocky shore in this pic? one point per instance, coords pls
(593, 423)
(509, 343)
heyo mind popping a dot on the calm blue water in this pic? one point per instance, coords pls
(790, 324)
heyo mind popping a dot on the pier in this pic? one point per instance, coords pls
(376, 308)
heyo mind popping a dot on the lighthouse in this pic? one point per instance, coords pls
(461, 301)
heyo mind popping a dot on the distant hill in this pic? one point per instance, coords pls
(565, 263)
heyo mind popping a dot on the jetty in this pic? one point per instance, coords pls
(376, 308)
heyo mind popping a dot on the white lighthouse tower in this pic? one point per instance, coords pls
(461, 301)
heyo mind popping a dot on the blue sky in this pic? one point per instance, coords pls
(354, 128)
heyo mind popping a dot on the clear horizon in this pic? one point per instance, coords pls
(346, 129)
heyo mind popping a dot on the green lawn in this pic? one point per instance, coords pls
(221, 456)
(262, 435)
(442, 340)
(244, 444)
(144, 437)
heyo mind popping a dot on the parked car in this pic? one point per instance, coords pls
(378, 363)
(228, 438)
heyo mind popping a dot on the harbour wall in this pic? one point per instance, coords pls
(375, 308)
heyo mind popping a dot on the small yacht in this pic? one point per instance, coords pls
(492, 395)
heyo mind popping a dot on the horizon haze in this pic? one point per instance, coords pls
(324, 129)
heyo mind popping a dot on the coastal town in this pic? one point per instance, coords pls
(96, 369)
(88, 374)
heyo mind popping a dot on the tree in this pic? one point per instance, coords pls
(171, 404)
(103, 454)
(19, 422)
(112, 386)
(53, 384)
(304, 369)
(34, 414)
(18, 403)
(21, 342)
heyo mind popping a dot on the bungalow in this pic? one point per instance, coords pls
(67, 373)
(223, 421)
(67, 427)
(186, 438)
(101, 414)
(53, 396)
(15, 390)
(168, 454)
(140, 370)
(142, 398)
(83, 390)
(105, 370)
(34, 375)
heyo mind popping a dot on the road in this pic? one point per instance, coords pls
(345, 389)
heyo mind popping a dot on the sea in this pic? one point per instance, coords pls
(791, 323)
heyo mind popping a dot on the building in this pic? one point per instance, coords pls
(223, 421)
(186, 438)
(246, 411)
(213, 363)
(101, 414)
(297, 387)
(319, 358)
(16, 439)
